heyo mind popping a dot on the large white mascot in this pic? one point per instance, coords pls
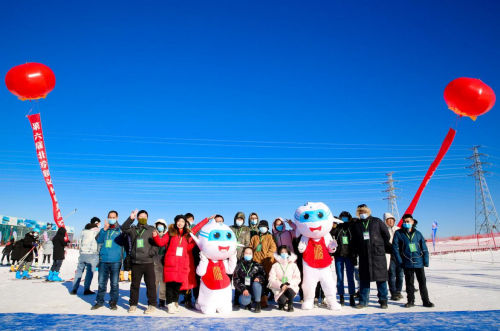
(314, 221)
(217, 244)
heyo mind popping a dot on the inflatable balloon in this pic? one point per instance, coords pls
(30, 81)
(314, 221)
(469, 97)
(217, 244)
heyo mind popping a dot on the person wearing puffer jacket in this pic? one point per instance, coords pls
(88, 259)
(281, 236)
(161, 227)
(249, 279)
(284, 278)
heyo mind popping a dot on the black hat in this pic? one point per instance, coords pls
(95, 220)
(264, 223)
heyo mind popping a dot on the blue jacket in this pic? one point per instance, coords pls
(401, 249)
(115, 252)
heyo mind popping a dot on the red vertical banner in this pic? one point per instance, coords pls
(445, 146)
(36, 126)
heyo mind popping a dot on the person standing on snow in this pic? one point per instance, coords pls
(30, 243)
(283, 237)
(371, 243)
(7, 250)
(242, 234)
(48, 250)
(112, 241)
(161, 227)
(411, 253)
(142, 254)
(60, 243)
(88, 259)
(395, 271)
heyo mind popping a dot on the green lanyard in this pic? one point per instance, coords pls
(366, 226)
(249, 269)
(239, 233)
(413, 235)
(140, 235)
(261, 238)
(284, 270)
(112, 233)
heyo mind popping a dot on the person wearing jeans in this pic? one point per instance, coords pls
(395, 271)
(88, 258)
(248, 278)
(111, 240)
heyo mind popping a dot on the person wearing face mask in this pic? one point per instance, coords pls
(253, 224)
(284, 278)
(264, 247)
(283, 237)
(88, 258)
(178, 270)
(411, 253)
(371, 241)
(161, 228)
(249, 279)
(27, 251)
(242, 234)
(112, 242)
(142, 255)
(60, 243)
(344, 257)
(396, 275)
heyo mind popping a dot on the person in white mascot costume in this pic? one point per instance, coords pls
(217, 244)
(314, 221)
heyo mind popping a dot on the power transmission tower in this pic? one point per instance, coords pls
(391, 196)
(486, 214)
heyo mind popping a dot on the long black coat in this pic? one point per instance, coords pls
(59, 244)
(16, 252)
(344, 250)
(28, 242)
(372, 260)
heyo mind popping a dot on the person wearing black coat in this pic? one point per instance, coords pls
(7, 250)
(250, 279)
(371, 242)
(344, 257)
(15, 256)
(30, 242)
(59, 244)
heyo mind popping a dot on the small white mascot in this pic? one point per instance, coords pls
(314, 221)
(217, 244)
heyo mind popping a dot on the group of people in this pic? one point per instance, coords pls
(269, 262)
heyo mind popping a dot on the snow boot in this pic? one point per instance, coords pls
(352, 302)
(410, 304)
(188, 305)
(258, 307)
(132, 309)
(171, 308)
(73, 292)
(383, 304)
(399, 295)
(112, 306)
(49, 277)
(150, 310)
(56, 278)
(342, 300)
(263, 302)
(18, 275)
(26, 275)
(96, 306)
(281, 307)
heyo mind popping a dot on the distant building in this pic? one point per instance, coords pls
(14, 227)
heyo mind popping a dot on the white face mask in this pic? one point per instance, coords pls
(239, 223)
(363, 216)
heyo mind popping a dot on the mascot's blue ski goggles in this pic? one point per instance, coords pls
(313, 216)
(218, 235)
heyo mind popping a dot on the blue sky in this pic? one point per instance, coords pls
(224, 106)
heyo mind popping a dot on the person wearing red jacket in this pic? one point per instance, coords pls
(179, 270)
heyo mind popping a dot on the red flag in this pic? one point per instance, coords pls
(439, 157)
(36, 126)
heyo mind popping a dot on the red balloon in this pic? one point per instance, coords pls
(469, 97)
(30, 81)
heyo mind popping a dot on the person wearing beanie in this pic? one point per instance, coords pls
(411, 253)
(396, 275)
(88, 259)
(112, 241)
(371, 242)
(242, 234)
(264, 247)
(143, 253)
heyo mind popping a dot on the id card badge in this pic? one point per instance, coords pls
(284, 280)
(413, 248)
(140, 243)
(366, 235)
(259, 247)
(345, 240)
(109, 243)
(178, 252)
(248, 281)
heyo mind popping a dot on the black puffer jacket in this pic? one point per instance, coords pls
(344, 250)
(371, 252)
(59, 244)
(16, 252)
(255, 270)
(148, 252)
(28, 243)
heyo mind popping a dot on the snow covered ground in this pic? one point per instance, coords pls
(453, 287)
